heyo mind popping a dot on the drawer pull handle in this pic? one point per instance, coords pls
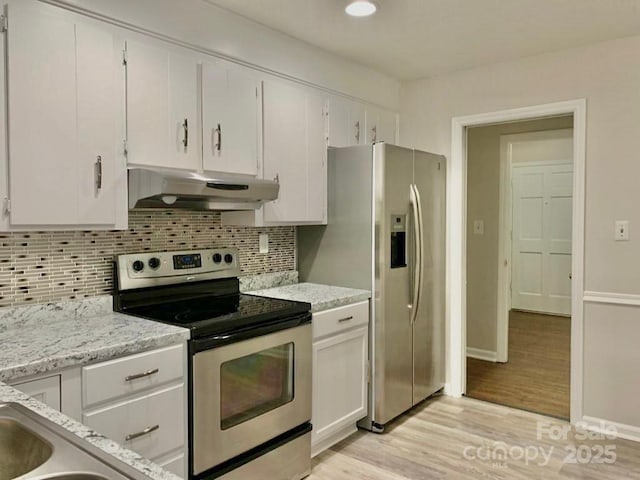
(146, 431)
(346, 319)
(141, 375)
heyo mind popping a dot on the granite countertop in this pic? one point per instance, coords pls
(321, 297)
(42, 338)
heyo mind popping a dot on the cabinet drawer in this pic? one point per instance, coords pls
(127, 375)
(340, 319)
(160, 413)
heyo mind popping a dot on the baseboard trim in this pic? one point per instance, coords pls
(480, 354)
(627, 432)
(611, 298)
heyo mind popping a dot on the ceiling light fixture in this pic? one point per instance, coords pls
(361, 8)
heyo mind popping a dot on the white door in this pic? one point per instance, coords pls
(41, 56)
(346, 123)
(381, 126)
(162, 106)
(101, 167)
(294, 153)
(230, 119)
(339, 383)
(541, 251)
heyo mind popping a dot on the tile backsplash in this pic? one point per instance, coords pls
(39, 267)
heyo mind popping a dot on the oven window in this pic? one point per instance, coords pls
(255, 384)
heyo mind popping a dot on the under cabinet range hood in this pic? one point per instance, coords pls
(161, 188)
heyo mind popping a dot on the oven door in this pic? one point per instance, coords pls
(248, 392)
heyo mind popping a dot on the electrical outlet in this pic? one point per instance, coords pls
(622, 230)
(264, 243)
(478, 227)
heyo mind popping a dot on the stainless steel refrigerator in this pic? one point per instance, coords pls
(386, 233)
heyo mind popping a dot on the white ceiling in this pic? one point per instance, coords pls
(410, 39)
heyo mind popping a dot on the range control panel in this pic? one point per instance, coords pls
(138, 270)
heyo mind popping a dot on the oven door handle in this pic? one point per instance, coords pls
(207, 343)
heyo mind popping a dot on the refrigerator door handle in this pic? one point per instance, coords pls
(417, 260)
(420, 248)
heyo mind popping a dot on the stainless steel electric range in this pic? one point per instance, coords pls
(249, 361)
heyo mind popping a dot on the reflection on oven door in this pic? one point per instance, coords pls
(249, 392)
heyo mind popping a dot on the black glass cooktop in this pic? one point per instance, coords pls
(207, 315)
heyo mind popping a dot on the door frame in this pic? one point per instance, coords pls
(505, 242)
(456, 240)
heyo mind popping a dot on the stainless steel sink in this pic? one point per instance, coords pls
(34, 448)
(21, 450)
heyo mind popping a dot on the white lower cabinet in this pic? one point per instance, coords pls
(340, 373)
(46, 390)
(139, 401)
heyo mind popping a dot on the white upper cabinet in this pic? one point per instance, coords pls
(295, 152)
(346, 123)
(381, 126)
(162, 106)
(230, 119)
(64, 111)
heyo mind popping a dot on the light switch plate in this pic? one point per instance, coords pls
(264, 242)
(478, 227)
(622, 230)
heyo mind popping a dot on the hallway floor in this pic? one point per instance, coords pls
(536, 377)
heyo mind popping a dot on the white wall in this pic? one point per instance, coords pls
(608, 76)
(210, 27)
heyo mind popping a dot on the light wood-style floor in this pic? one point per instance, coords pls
(456, 438)
(536, 377)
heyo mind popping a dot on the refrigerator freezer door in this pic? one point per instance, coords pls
(428, 327)
(393, 361)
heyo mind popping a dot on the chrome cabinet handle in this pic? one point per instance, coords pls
(185, 139)
(146, 431)
(374, 132)
(358, 131)
(218, 143)
(141, 375)
(98, 172)
(346, 319)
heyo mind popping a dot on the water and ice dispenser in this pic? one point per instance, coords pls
(398, 227)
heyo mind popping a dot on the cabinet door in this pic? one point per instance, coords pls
(346, 123)
(295, 153)
(101, 167)
(230, 114)
(162, 106)
(45, 390)
(339, 382)
(381, 126)
(62, 98)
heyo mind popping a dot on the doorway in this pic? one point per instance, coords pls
(456, 241)
(518, 261)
